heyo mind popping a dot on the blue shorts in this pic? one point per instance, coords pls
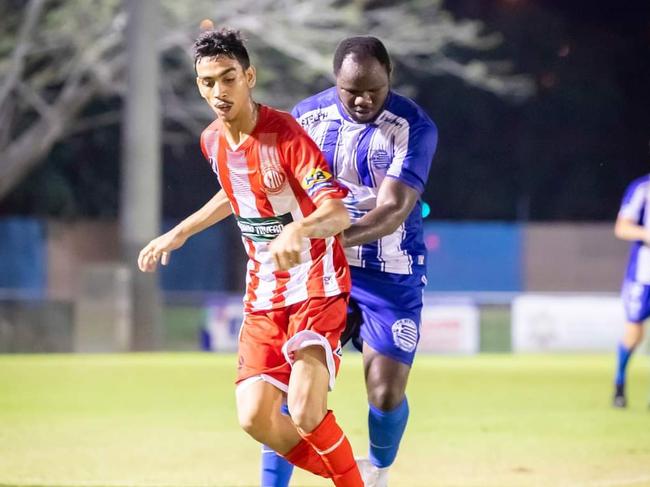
(390, 309)
(636, 301)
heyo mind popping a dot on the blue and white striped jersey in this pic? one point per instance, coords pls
(399, 143)
(635, 207)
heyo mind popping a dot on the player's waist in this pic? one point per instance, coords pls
(253, 305)
(392, 247)
(318, 257)
(273, 292)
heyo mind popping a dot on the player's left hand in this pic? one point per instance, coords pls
(287, 247)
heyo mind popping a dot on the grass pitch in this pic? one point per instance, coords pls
(169, 420)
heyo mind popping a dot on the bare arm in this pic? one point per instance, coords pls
(395, 201)
(630, 230)
(215, 210)
(329, 219)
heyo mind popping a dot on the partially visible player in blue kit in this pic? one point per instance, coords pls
(633, 225)
(380, 145)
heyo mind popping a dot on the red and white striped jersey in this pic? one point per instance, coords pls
(276, 176)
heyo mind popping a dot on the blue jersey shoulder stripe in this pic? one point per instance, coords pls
(323, 99)
(633, 187)
(422, 141)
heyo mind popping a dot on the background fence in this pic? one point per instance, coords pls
(62, 276)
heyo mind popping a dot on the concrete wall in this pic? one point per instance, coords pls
(71, 246)
(573, 257)
(463, 256)
(35, 326)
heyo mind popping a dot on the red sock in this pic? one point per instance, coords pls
(334, 448)
(304, 456)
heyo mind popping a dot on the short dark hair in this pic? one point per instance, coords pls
(223, 42)
(363, 47)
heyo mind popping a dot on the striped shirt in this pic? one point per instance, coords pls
(277, 175)
(635, 207)
(399, 143)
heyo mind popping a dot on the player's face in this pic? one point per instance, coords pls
(362, 85)
(225, 85)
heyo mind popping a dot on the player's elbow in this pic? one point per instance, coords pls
(622, 230)
(619, 230)
(340, 216)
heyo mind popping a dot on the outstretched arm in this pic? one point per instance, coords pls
(395, 201)
(159, 249)
(329, 219)
(630, 230)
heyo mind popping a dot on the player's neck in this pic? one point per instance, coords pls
(238, 130)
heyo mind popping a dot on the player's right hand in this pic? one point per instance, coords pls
(159, 250)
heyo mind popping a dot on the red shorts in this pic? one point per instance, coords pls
(268, 339)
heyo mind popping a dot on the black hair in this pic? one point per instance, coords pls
(223, 42)
(363, 47)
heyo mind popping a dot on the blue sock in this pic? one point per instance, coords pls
(385, 429)
(276, 471)
(624, 355)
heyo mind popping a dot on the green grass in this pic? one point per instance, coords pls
(169, 420)
(181, 325)
(495, 333)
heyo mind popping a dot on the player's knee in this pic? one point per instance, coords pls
(386, 397)
(633, 335)
(636, 340)
(305, 416)
(640, 335)
(254, 422)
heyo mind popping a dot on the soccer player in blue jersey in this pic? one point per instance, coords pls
(633, 225)
(380, 145)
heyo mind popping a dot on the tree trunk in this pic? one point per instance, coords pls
(141, 172)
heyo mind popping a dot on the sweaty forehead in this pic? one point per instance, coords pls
(215, 66)
(359, 71)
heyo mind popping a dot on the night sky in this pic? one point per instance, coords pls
(569, 152)
(565, 154)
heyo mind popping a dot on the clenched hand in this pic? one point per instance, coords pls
(287, 246)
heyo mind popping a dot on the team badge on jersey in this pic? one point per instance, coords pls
(380, 159)
(273, 179)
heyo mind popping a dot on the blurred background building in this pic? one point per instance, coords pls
(541, 105)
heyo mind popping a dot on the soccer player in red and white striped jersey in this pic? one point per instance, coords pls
(289, 209)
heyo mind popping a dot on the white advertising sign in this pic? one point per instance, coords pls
(566, 323)
(449, 328)
(223, 321)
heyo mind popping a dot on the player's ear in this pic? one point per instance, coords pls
(251, 76)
